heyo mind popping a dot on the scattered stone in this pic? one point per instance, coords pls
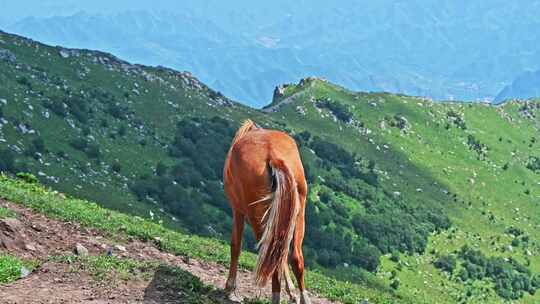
(120, 248)
(8, 56)
(24, 272)
(64, 53)
(80, 250)
(30, 247)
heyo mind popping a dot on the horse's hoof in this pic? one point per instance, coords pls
(304, 298)
(230, 287)
(294, 300)
(234, 298)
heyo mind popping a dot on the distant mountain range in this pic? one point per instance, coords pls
(440, 49)
(526, 85)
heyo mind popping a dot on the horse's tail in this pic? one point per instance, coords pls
(279, 223)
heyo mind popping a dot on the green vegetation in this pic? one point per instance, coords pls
(510, 277)
(198, 149)
(359, 238)
(452, 174)
(89, 214)
(6, 213)
(107, 268)
(397, 184)
(446, 263)
(12, 268)
(170, 283)
(340, 110)
(533, 164)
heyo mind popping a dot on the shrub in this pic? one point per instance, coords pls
(457, 119)
(79, 143)
(511, 278)
(10, 268)
(39, 144)
(116, 167)
(93, 151)
(7, 161)
(533, 164)
(341, 111)
(394, 257)
(476, 146)
(161, 169)
(24, 82)
(27, 177)
(446, 263)
(366, 256)
(117, 111)
(122, 130)
(56, 106)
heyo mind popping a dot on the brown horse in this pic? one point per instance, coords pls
(264, 181)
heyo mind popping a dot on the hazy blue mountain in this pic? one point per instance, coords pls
(466, 50)
(526, 85)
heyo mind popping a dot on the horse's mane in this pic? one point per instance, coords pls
(247, 126)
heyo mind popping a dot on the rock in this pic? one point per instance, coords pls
(8, 56)
(120, 248)
(80, 250)
(11, 237)
(279, 91)
(24, 272)
(30, 247)
(64, 54)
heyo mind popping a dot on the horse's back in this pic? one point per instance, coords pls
(249, 177)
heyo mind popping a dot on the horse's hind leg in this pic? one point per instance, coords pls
(236, 247)
(276, 288)
(297, 258)
(289, 286)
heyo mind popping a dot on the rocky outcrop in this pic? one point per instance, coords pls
(11, 236)
(7, 55)
(279, 92)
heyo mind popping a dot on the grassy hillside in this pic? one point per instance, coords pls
(90, 124)
(410, 199)
(117, 225)
(483, 159)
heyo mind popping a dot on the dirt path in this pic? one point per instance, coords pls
(53, 282)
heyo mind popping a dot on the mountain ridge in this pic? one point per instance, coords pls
(460, 64)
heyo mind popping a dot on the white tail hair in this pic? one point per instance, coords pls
(279, 223)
